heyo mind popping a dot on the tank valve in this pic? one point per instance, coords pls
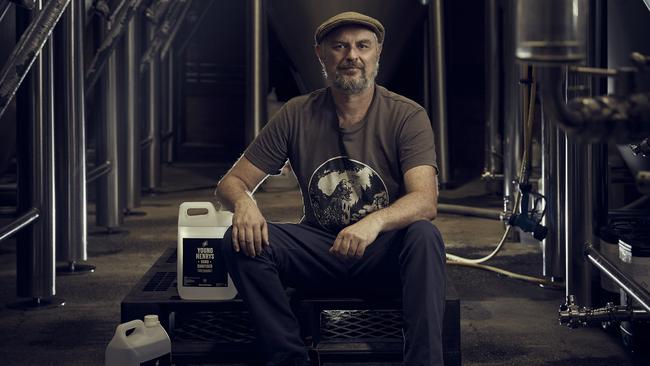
(529, 220)
(574, 316)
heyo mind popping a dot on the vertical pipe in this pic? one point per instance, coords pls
(579, 205)
(163, 104)
(426, 79)
(493, 96)
(152, 176)
(512, 110)
(109, 200)
(256, 60)
(168, 151)
(122, 122)
(71, 138)
(553, 158)
(133, 114)
(35, 249)
(438, 83)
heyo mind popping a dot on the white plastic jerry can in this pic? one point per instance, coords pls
(147, 344)
(201, 268)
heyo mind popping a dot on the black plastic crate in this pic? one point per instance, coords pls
(334, 329)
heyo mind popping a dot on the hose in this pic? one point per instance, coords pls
(537, 280)
(523, 177)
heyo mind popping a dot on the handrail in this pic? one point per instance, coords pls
(18, 224)
(98, 63)
(146, 142)
(615, 274)
(162, 33)
(177, 26)
(27, 50)
(196, 27)
(99, 171)
(4, 6)
(27, 4)
(166, 136)
(156, 10)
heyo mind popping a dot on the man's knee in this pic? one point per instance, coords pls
(231, 255)
(424, 237)
(426, 229)
(227, 249)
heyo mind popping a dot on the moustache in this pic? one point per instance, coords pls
(351, 66)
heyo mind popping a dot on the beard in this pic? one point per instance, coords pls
(353, 84)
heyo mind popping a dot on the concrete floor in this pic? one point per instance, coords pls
(504, 321)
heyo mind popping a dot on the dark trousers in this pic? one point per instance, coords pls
(411, 259)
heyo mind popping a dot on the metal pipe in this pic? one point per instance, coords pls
(626, 283)
(553, 159)
(117, 11)
(98, 171)
(576, 176)
(156, 10)
(133, 114)
(594, 71)
(109, 205)
(470, 211)
(439, 84)
(256, 82)
(636, 203)
(175, 28)
(168, 135)
(19, 223)
(167, 138)
(196, 25)
(574, 316)
(71, 138)
(621, 118)
(146, 142)
(493, 150)
(164, 109)
(512, 114)
(105, 50)
(4, 7)
(583, 166)
(27, 4)
(121, 114)
(35, 248)
(27, 50)
(161, 34)
(151, 179)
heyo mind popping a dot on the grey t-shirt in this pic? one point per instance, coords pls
(345, 173)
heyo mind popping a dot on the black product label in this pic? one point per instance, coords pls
(164, 360)
(203, 263)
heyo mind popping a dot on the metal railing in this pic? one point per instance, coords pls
(28, 49)
(631, 287)
(18, 224)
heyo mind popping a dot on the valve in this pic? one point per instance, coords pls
(529, 220)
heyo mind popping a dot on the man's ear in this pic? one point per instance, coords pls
(318, 50)
(379, 48)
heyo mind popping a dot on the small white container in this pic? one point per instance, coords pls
(148, 344)
(202, 273)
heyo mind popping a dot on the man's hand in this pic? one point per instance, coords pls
(249, 229)
(354, 239)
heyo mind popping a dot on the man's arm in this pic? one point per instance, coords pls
(419, 203)
(249, 229)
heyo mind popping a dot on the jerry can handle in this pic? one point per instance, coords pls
(198, 209)
(133, 324)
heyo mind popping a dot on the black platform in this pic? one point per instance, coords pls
(335, 329)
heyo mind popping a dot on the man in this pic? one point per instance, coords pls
(365, 161)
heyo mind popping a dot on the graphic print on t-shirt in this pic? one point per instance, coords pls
(342, 191)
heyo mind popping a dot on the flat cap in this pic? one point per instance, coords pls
(349, 18)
